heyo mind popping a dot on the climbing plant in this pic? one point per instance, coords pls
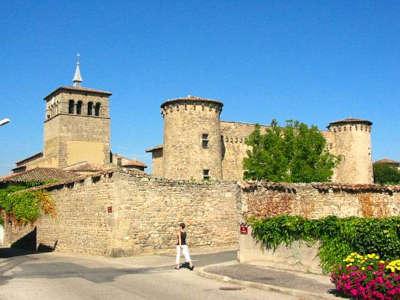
(338, 237)
(24, 205)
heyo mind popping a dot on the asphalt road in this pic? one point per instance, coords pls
(60, 276)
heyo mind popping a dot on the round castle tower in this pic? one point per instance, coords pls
(192, 138)
(351, 139)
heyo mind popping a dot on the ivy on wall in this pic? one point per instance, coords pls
(24, 206)
(338, 237)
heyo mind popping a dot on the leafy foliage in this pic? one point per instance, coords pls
(25, 206)
(338, 237)
(294, 153)
(386, 174)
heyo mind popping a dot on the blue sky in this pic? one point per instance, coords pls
(314, 61)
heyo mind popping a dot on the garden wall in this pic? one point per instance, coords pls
(262, 200)
(116, 214)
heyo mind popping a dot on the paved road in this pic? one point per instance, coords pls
(59, 276)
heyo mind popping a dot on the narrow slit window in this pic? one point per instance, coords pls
(206, 174)
(204, 140)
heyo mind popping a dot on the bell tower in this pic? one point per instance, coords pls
(77, 125)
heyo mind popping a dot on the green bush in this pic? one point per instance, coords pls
(291, 153)
(25, 206)
(386, 174)
(338, 237)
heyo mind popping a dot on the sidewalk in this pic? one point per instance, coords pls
(302, 285)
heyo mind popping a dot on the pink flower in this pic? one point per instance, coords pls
(354, 292)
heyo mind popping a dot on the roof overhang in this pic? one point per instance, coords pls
(77, 90)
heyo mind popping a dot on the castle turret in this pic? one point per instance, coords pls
(192, 138)
(351, 140)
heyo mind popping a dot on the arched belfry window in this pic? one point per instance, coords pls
(71, 105)
(79, 107)
(97, 109)
(90, 108)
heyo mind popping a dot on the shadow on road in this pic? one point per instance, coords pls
(56, 270)
(12, 252)
(31, 266)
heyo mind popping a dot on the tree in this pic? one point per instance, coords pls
(386, 174)
(294, 153)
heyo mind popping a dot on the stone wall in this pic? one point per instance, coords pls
(319, 200)
(120, 214)
(311, 201)
(234, 148)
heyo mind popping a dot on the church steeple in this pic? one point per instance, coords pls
(77, 80)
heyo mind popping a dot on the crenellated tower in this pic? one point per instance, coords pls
(192, 138)
(351, 140)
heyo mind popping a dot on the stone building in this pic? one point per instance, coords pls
(199, 145)
(388, 162)
(76, 130)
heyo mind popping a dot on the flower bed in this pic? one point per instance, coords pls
(367, 277)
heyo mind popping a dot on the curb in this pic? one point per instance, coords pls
(262, 286)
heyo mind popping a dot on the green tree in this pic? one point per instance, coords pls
(294, 153)
(386, 174)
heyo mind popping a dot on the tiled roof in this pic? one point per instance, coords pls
(39, 174)
(84, 166)
(127, 162)
(132, 162)
(78, 89)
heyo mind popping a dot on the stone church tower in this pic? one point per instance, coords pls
(76, 126)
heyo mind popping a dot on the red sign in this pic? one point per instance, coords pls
(243, 229)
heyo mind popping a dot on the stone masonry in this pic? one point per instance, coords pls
(119, 214)
(186, 120)
(115, 213)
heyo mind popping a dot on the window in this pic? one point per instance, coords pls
(71, 104)
(79, 107)
(206, 174)
(97, 109)
(90, 108)
(204, 140)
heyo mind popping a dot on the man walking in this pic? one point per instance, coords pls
(181, 245)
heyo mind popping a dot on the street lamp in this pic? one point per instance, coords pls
(4, 121)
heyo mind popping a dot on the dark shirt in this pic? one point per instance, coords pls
(183, 238)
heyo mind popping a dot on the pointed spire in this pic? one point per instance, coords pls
(77, 80)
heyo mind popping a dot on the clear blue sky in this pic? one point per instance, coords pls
(314, 61)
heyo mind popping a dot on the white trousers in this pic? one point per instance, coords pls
(185, 250)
